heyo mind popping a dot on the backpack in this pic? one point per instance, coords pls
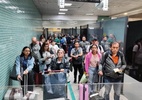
(62, 41)
(78, 60)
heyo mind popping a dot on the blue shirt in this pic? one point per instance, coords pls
(26, 64)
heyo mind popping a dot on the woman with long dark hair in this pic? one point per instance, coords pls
(24, 66)
(45, 56)
(92, 60)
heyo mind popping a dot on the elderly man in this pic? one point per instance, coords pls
(35, 48)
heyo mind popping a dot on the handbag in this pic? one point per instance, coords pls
(13, 74)
(79, 58)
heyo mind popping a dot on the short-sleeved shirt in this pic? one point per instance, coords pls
(73, 51)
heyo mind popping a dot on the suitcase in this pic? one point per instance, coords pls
(38, 78)
(97, 98)
(30, 96)
(98, 88)
(83, 92)
(13, 94)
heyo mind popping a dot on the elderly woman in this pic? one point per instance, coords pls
(60, 62)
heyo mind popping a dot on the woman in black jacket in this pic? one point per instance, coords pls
(59, 63)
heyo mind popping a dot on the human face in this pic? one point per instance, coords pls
(34, 40)
(94, 48)
(105, 38)
(76, 45)
(83, 39)
(60, 54)
(114, 48)
(26, 52)
(46, 47)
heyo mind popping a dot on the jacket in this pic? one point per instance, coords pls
(19, 61)
(87, 60)
(107, 64)
(54, 65)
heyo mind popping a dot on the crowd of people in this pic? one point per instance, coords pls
(93, 57)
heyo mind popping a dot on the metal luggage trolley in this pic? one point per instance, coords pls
(55, 85)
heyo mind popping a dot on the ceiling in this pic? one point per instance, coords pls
(77, 12)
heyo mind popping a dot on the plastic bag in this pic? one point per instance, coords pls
(84, 78)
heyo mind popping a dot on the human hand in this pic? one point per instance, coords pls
(19, 77)
(62, 70)
(87, 75)
(25, 72)
(100, 73)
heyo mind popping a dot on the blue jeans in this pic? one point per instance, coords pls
(116, 86)
(92, 75)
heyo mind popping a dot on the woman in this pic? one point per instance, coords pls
(60, 62)
(45, 56)
(24, 66)
(92, 60)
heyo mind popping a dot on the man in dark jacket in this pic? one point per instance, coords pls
(112, 65)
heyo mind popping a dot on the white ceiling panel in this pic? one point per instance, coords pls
(117, 8)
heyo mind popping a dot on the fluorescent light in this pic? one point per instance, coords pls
(63, 9)
(89, 14)
(11, 7)
(3, 1)
(61, 13)
(125, 13)
(68, 4)
(20, 11)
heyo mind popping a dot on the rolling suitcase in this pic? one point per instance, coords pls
(99, 87)
(13, 94)
(83, 92)
(28, 95)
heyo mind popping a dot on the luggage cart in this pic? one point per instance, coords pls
(55, 85)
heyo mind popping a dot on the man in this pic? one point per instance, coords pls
(105, 43)
(35, 48)
(137, 59)
(76, 54)
(84, 45)
(113, 64)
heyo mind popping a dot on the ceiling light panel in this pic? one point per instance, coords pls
(61, 13)
(63, 9)
(68, 4)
